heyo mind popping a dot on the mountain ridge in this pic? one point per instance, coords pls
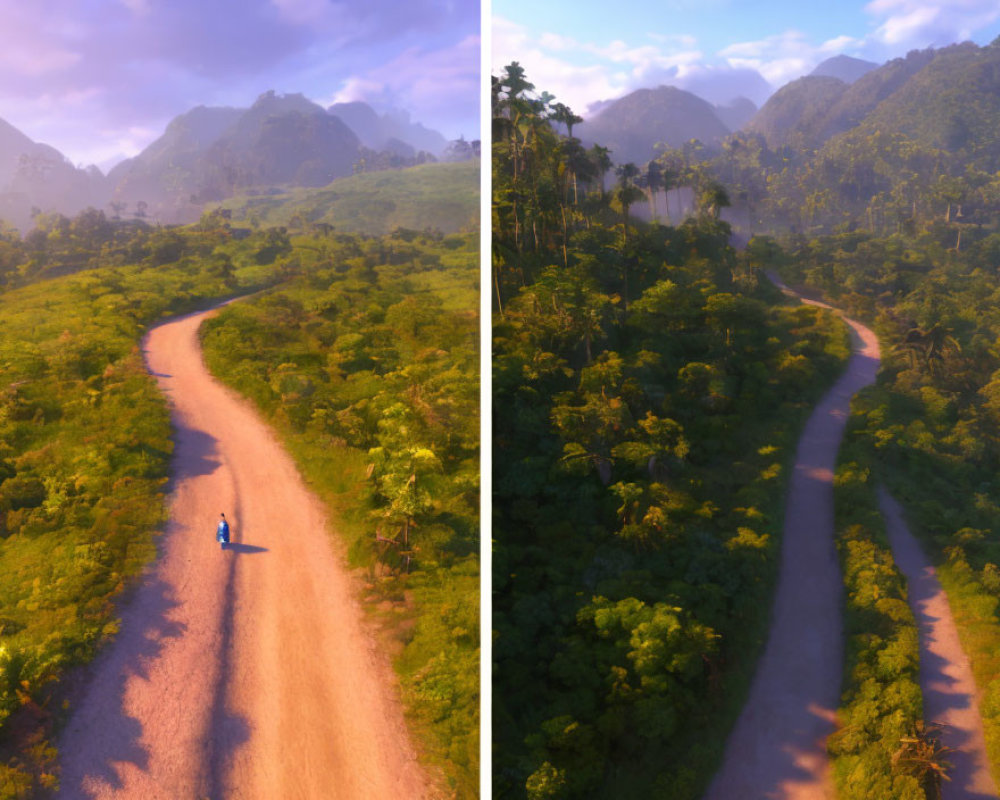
(207, 153)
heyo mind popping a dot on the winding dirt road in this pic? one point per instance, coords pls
(950, 696)
(244, 673)
(778, 747)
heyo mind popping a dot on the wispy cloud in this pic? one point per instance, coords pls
(144, 61)
(582, 72)
(923, 23)
(426, 81)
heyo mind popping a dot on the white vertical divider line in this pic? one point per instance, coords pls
(485, 407)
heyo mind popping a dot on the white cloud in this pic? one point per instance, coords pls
(426, 82)
(552, 63)
(35, 62)
(780, 58)
(923, 23)
(840, 44)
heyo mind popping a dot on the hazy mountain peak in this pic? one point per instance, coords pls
(632, 125)
(270, 102)
(378, 131)
(798, 113)
(736, 113)
(845, 68)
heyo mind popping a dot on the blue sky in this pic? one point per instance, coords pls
(589, 51)
(100, 79)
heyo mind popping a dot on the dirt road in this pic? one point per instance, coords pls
(243, 673)
(950, 696)
(777, 748)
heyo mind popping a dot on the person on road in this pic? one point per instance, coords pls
(222, 532)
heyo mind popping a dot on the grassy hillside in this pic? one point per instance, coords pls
(443, 197)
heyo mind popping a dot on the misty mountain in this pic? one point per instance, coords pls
(722, 86)
(37, 176)
(798, 113)
(844, 68)
(907, 142)
(808, 112)
(209, 154)
(632, 125)
(737, 113)
(952, 103)
(387, 131)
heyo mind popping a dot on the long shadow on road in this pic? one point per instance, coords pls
(118, 738)
(100, 744)
(227, 730)
(945, 677)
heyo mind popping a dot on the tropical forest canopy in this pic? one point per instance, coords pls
(648, 385)
(648, 389)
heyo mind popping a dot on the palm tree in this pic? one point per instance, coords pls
(601, 156)
(627, 194)
(712, 195)
(653, 182)
(924, 757)
(562, 113)
(932, 344)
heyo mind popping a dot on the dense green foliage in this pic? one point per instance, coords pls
(367, 364)
(648, 390)
(909, 143)
(443, 197)
(886, 196)
(84, 454)
(881, 701)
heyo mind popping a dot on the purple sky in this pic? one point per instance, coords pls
(100, 79)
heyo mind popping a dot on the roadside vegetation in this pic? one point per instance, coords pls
(84, 448)
(367, 365)
(880, 748)
(930, 431)
(85, 443)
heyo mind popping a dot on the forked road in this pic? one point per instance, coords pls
(778, 746)
(243, 673)
(949, 688)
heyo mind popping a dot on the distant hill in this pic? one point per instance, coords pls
(914, 139)
(844, 68)
(798, 113)
(36, 176)
(387, 131)
(632, 125)
(210, 154)
(952, 103)
(440, 196)
(806, 113)
(737, 113)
